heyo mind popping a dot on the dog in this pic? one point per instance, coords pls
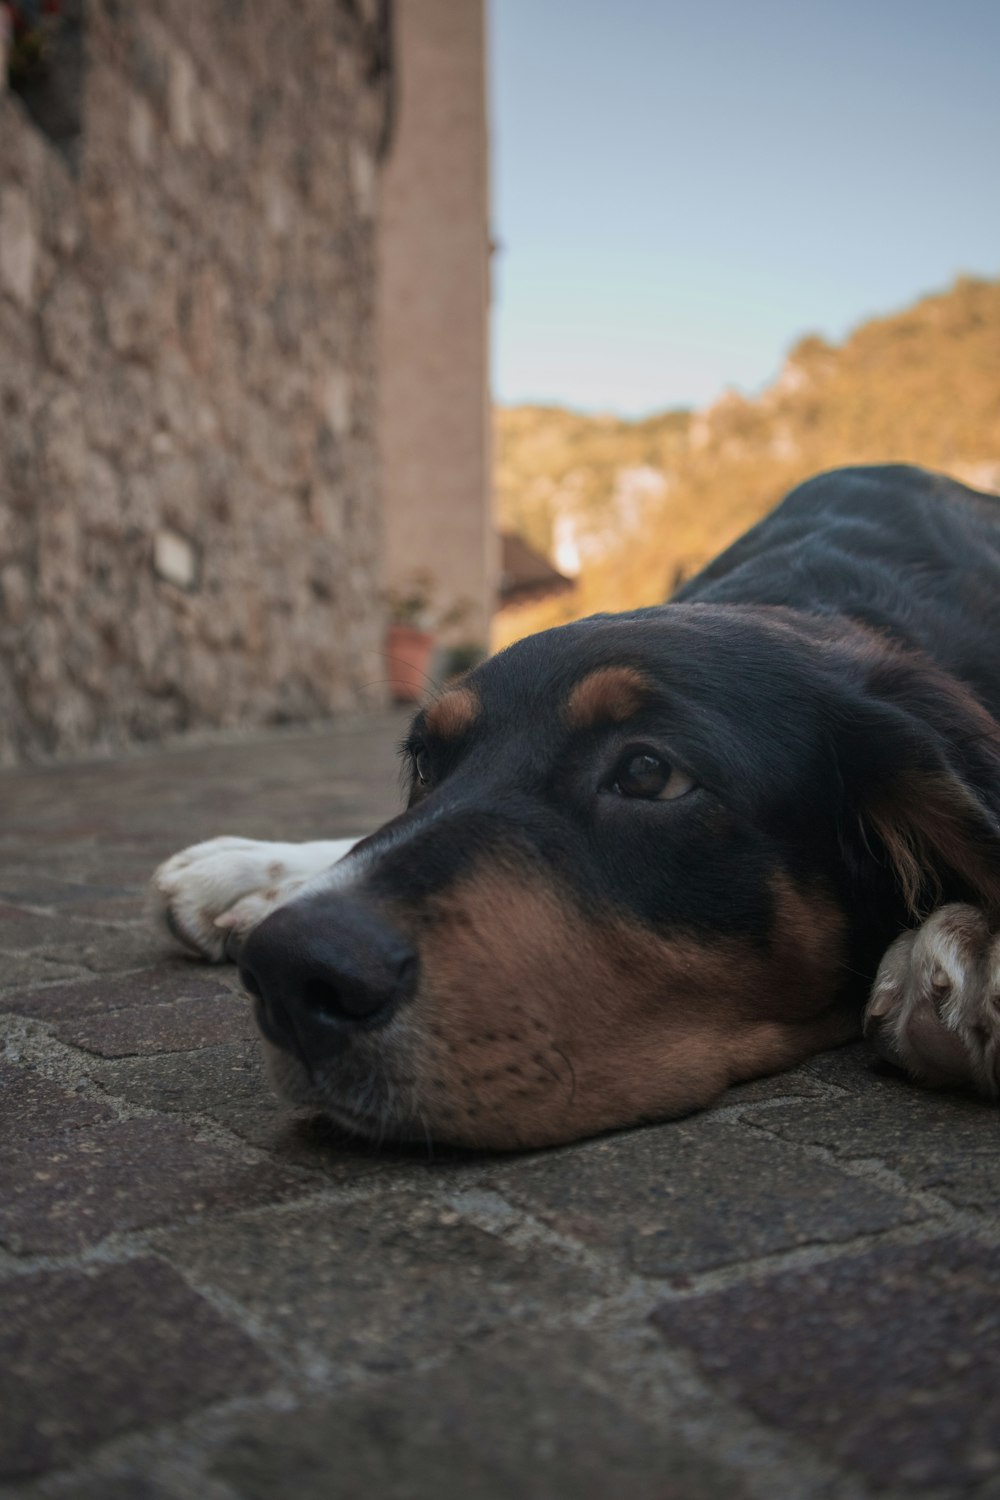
(649, 855)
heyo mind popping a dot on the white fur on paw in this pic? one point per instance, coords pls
(222, 888)
(935, 1005)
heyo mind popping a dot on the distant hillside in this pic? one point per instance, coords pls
(636, 505)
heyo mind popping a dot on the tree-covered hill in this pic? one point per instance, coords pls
(640, 504)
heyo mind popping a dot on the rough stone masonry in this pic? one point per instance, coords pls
(189, 528)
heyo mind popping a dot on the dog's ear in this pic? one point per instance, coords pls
(934, 829)
(920, 762)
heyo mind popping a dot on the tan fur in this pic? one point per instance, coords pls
(932, 822)
(453, 715)
(611, 695)
(809, 937)
(534, 1026)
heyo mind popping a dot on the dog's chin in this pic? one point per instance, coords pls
(292, 1081)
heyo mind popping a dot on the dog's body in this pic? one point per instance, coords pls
(651, 854)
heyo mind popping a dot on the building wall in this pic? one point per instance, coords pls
(433, 310)
(190, 532)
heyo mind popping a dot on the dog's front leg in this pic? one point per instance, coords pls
(211, 893)
(935, 1006)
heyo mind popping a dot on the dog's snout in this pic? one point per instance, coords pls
(322, 968)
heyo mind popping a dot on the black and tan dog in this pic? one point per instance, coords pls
(648, 855)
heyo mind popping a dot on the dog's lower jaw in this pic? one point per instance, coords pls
(289, 1079)
(393, 1095)
(370, 1110)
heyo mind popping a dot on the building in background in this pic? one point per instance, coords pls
(196, 527)
(433, 320)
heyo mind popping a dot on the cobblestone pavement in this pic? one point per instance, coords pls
(794, 1295)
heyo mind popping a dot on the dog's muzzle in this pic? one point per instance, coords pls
(323, 969)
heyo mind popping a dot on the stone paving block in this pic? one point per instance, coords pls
(855, 1067)
(795, 1085)
(161, 986)
(228, 1083)
(107, 950)
(68, 939)
(31, 1104)
(131, 1487)
(84, 945)
(526, 1416)
(185, 1026)
(60, 823)
(20, 969)
(29, 859)
(41, 888)
(227, 1076)
(64, 1192)
(696, 1194)
(84, 1356)
(380, 1282)
(886, 1360)
(945, 1143)
(22, 930)
(146, 1012)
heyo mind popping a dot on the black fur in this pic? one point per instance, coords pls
(827, 694)
(912, 554)
(832, 675)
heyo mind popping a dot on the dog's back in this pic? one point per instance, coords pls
(913, 554)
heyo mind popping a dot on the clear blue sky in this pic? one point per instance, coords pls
(679, 191)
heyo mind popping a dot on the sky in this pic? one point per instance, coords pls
(681, 191)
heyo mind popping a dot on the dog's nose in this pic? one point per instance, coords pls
(322, 968)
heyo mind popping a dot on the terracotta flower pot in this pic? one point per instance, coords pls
(408, 652)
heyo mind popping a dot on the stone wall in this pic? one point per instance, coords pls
(189, 523)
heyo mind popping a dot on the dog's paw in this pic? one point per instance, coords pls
(934, 1009)
(213, 893)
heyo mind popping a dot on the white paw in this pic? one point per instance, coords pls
(213, 892)
(935, 1005)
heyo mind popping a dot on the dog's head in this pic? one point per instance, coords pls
(643, 857)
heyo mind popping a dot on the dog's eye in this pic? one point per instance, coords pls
(422, 764)
(642, 774)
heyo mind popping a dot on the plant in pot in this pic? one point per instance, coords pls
(412, 635)
(409, 641)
